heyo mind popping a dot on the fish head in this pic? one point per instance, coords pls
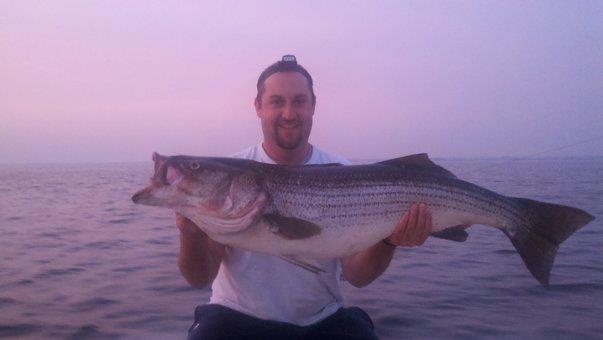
(209, 190)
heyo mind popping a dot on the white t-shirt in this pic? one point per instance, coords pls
(268, 287)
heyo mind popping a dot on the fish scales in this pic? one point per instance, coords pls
(347, 193)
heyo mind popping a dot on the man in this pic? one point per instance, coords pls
(258, 296)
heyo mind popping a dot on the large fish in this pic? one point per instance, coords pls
(331, 210)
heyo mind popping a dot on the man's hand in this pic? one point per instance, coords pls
(199, 257)
(413, 228)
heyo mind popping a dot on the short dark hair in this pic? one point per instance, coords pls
(287, 63)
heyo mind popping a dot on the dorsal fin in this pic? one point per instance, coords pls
(418, 160)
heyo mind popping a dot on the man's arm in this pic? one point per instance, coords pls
(413, 229)
(199, 257)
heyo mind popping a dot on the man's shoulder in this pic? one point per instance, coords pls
(248, 153)
(320, 156)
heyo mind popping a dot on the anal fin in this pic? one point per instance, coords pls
(456, 233)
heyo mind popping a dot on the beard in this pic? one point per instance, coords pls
(289, 139)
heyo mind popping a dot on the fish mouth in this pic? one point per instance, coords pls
(172, 175)
(142, 195)
(166, 172)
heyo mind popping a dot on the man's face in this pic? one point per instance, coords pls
(286, 110)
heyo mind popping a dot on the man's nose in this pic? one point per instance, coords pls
(288, 112)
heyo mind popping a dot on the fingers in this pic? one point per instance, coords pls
(413, 228)
(427, 229)
(398, 233)
(420, 228)
(422, 215)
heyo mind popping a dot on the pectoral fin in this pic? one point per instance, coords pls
(455, 233)
(302, 264)
(291, 228)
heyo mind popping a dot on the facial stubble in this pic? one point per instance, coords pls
(288, 143)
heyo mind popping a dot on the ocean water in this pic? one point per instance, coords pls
(79, 260)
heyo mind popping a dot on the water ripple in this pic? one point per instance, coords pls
(577, 287)
(121, 221)
(7, 302)
(92, 304)
(59, 272)
(159, 241)
(19, 329)
(15, 218)
(123, 313)
(104, 245)
(91, 332)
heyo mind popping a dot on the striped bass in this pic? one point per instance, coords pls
(331, 210)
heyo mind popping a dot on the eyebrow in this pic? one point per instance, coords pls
(299, 96)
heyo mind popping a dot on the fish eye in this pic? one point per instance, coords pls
(194, 165)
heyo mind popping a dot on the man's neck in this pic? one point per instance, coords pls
(298, 156)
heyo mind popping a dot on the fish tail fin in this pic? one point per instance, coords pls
(538, 239)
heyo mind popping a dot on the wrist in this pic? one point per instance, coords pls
(192, 232)
(187, 227)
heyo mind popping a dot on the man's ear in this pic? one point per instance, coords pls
(258, 106)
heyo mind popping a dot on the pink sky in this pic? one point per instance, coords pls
(96, 81)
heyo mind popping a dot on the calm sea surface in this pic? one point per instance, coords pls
(79, 260)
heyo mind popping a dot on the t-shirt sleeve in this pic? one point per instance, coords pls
(248, 153)
(343, 160)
